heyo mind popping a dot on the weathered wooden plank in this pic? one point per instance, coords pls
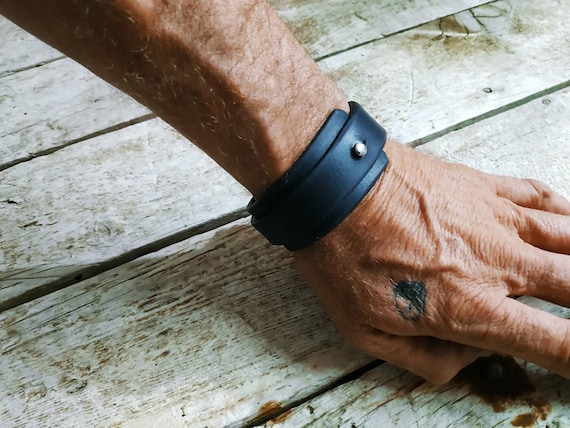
(63, 215)
(208, 332)
(19, 50)
(325, 27)
(58, 103)
(427, 81)
(79, 104)
(220, 329)
(529, 141)
(26, 252)
(390, 397)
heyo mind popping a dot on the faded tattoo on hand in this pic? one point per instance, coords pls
(410, 299)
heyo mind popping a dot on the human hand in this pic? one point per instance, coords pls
(423, 273)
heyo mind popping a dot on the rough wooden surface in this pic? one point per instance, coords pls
(457, 70)
(205, 332)
(390, 397)
(55, 105)
(68, 214)
(531, 141)
(20, 50)
(327, 27)
(91, 218)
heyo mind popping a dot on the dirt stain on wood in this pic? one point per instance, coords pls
(273, 410)
(541, 408)
(526, 420)
(283, 416)
(449, 24)
(498, 380)
(269, 408)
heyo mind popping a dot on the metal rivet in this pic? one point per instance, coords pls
(359, 149)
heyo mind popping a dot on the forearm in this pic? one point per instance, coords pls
(227, 75)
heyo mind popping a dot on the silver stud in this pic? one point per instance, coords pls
(359, 149)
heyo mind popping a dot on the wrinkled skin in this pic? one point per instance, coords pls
(472, 242)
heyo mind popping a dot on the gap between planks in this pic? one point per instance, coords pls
(87, 137)
(275, 413)
(491, 113)
(31, 66)
(395, 33)
(152, 247)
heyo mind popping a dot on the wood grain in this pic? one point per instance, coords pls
(203, 333)
(531, 141)
(68, 214)
(390, 397)
(56, 105)
(449, 73)
(327, 27)
(20, 50)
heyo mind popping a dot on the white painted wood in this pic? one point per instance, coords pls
(327, 26)
(55, 104)
(20, 50)
(428, 80)
(99, 182)
(89, 203)
(530, 141)
(219, 327)
(202, 333)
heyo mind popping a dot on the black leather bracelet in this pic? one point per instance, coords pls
(326, 183)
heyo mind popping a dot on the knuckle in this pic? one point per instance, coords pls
(465, 317)
(541, 191)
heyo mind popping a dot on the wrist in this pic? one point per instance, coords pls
(228, 75)
(291, 132)
(261, 99)
(326, 183)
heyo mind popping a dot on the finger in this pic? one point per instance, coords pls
(547, 277)
(530, 193)
(437, 361)
(548, 231)
(516, 329)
